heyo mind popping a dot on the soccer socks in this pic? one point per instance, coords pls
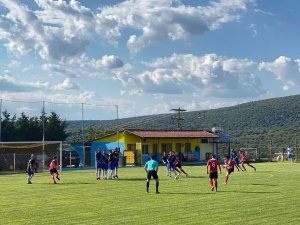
(57, 176)
(216, 185)
(226, 179)
(29, 179)
(211, 183)
(157, 184)
(54, 182)
(147, 185)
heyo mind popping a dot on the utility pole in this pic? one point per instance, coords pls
(43, 124)
(179, 117)
(117, 109)
(82, 129)
(0, 119)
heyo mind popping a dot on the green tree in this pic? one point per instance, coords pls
(28, 128)
(8, 130)
(55, 128)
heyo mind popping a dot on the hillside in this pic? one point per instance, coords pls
(253, 124)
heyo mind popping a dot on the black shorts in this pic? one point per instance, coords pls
(152, 173)
(53, 171)
(246, 161)
(230, 171)
(178, 165)
(213, 175)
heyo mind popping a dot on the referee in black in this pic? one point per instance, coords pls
(151, 167)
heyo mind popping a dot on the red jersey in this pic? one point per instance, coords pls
(243, 156)
(230, 165)
(213, 165)
(53, 164)
(177, 161)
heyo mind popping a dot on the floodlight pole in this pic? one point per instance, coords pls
(0, 119)
(82, 128)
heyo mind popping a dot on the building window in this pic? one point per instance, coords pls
(178, 147)
(145, 149)
(187, 147)
(204, 140)
(131, 147)
(155, 148)
(166, 147)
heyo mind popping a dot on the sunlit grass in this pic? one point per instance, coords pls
(268, 196)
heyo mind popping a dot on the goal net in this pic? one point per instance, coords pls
(252, 153)
(15, 155)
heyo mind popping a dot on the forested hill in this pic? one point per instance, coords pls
(253, 124)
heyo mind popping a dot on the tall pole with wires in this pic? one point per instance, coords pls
(117, 109)
(43, 127)
(179, 118)
(0, 119)
(83, 138)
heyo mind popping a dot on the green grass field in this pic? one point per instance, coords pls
(271, 195)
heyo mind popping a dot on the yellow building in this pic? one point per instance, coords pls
(138, 145)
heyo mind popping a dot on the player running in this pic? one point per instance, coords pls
(53, 170)
(151, 168)
(244, 159)
(178, 165)
(235, 159)
(30, 168)
(229, 165)
(165, 162)
(171, 165)
(213, 164)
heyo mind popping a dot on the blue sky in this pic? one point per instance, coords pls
(146, 56)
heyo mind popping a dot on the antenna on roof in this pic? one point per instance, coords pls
(178, 118)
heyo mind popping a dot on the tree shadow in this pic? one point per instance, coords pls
(267, 185)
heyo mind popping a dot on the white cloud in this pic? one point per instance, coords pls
(209, 75)
(252, 27)
(160, 20)
(9, 83)
(284, 69)
(108, 61)
(62, 29)
(67, 84)
(14, 64)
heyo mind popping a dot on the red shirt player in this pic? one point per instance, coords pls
(244, 160)
(213, 165)
(229, 165)
(53, 169)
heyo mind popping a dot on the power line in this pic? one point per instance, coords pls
(179, 118)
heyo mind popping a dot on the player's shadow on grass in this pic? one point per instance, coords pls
(186, 193)
(266, 184)
(68, 183)
(253, 192)
(132, 179)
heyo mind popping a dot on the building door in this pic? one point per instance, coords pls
(130, 157)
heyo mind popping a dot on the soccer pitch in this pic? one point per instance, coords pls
(271, 195)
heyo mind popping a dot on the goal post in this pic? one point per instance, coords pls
(252, 153)
(15, 155)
